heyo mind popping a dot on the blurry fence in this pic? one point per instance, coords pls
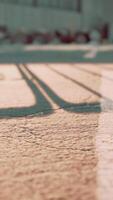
(75, 5)
(15, 16)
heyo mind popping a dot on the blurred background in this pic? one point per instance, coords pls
(56, 99)
(55, 21)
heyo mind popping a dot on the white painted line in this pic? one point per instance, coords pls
(104, 146)
(93, 52)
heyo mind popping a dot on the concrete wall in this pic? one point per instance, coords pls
(87, 14)
(15, 16)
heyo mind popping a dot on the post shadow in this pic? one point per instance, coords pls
(41, 103)
(67, 106)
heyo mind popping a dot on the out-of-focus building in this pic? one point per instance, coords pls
(56, 14)
(41, 14)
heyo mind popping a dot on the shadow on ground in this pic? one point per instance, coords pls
(43, 106)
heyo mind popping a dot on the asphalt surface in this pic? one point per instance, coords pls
(56, 130)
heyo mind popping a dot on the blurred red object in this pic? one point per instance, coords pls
(3, 32)
(65, 36)
(105, 32)
(29, 38)
(82, 37)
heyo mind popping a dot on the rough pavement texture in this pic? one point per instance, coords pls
(48, 158)
(49, 123)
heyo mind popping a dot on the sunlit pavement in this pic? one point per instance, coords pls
(56, 131)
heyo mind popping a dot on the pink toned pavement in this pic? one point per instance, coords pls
(56, 123)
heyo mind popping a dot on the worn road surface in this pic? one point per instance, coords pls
(56, 131)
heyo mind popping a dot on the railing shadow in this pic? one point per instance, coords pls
(108, 103)
(79, 83)
(41, 103)
(70, 107)
(92, 73)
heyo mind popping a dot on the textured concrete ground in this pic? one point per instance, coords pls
(56, 125)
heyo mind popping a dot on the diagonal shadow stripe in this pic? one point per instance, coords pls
(81, 85)
(108, 103)
(41, 105)
(70, 107)
(92, 73)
